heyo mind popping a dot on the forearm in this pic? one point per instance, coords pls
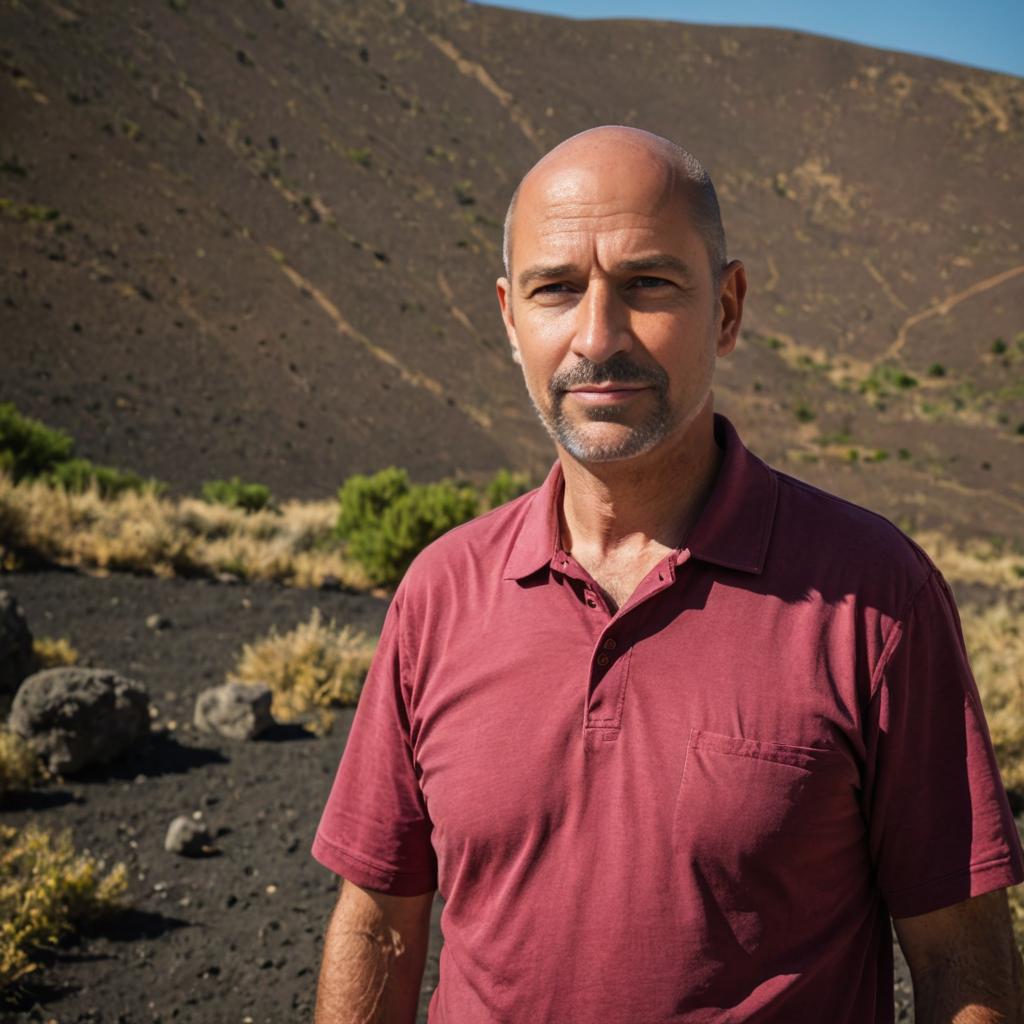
(371, 970)
(962, 991)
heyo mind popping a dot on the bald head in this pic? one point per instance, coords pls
(615, 149)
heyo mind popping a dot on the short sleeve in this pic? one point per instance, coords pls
(939, 823)
(375, 830)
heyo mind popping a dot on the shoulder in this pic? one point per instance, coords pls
(844, 547)
(469, 553)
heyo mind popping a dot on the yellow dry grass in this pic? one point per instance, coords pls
(144, 532)
(19, 766)
(46, 889)
(53, 652)
(982, 561)
(310, 669)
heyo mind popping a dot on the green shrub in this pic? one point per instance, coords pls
(504, 486)
(936, 370)
(29, 448)
(363, 499)
(406, 527)
(387, 521)
(80, 475)
(235, 493)
(887, 377)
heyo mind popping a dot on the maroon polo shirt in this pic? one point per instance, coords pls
(702, 807)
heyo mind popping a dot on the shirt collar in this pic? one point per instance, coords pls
(733, 529)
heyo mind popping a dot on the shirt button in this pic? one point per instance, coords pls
(609, 644)
(603, 659)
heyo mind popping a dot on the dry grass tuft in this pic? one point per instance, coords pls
(19, 765)
(144, 532)
(46, 890)
(974, 561)
(311, 669)
(995, 642)
(53, 652)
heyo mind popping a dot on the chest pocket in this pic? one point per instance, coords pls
(767, 836)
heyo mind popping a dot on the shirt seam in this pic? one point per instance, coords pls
(973, 868)
(896, 632)
(375, 865)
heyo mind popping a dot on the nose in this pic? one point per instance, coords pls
(602, 324)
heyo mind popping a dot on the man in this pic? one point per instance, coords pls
(675, 734)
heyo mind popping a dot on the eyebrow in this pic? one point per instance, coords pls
(642, 264)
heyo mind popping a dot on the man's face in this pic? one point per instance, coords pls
(612, 310)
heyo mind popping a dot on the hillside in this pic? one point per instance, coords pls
(261, 239)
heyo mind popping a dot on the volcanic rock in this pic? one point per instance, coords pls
(188, 837)
(15, 648)
(235, 710)
(75, 717)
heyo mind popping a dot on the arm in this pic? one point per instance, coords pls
(964, 963)
(374, 953)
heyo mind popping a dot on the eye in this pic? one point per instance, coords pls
(550, 289)
(649, 282)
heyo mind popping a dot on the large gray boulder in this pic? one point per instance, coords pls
(15, 648)
(76, 717)
(237, 711)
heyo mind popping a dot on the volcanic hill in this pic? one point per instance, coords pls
(261, 239)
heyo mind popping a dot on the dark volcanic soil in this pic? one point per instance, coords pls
(233, 937)
(228, 938)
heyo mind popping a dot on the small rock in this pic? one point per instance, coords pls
(75, 717)
(15, 648)
(158, 622)
(188, 837)
(235, 710)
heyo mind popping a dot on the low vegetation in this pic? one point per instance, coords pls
(20, 769)
(30, 450)
(145, 532)
(386, 521)
(235, 493)
(52, 652)
(311, 669)
(46, 891)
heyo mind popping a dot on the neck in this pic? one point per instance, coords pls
(649, 501)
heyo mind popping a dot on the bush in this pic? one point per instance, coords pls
(29, 448)
(505, 486)
(386, 546)
(313, 668)
(80, 475)
(46, 889)
(363, 499)
(234, 493)
(19, 766)
(50, 652)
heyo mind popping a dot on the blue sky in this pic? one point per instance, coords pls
(987, 34)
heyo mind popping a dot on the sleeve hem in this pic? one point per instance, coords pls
(369, 874)
(944, 892)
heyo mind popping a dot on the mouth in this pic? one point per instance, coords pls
(608, 392)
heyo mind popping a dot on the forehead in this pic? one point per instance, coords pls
(631, 201)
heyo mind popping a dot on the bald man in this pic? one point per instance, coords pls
(675, 735)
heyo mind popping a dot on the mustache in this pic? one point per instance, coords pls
(619, 368)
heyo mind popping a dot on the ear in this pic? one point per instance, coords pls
(731, 293)
(505, 303)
